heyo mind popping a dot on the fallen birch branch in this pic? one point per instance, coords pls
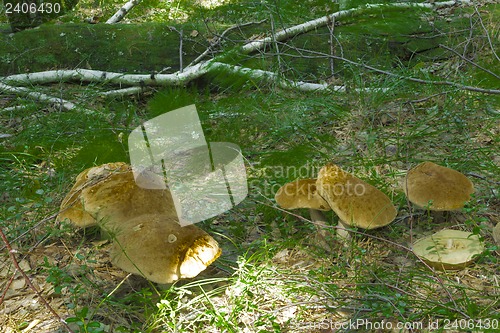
(175, 79)
(139, 81)
(96, 76)
(120, 14)
(325, 20)
(66, 105)
(123, 92)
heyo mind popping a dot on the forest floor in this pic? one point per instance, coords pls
(273, 275)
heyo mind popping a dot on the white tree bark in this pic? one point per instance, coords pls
(175, 79)
(139, 81)
(120, 14)
(323, 21)
(65, 105)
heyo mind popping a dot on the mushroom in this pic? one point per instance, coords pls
(449, 249)
(72, 205)
(437, 188)
(143, 224)
(302, 193)
(496, 235)
(357, 203)
(158, 248)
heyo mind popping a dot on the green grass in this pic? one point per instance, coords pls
(272, 276)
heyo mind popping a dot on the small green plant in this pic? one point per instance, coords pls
(58, 277)
(84, 324)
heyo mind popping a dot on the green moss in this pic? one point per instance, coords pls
(124, 48)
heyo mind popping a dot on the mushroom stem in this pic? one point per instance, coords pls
(343, 232)
(436, 216)
(320, 222)
(318, 218)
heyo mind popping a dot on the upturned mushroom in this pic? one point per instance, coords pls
(147, 237)
(437, 188)
(357, 203)
(158, 248)
(449, 249)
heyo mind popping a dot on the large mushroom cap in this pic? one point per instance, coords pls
(117, 196)
(142, 223)
(72, 206)
(437, 187)
(300, 193)
(158, 248)
(449, 249)
(356, 202)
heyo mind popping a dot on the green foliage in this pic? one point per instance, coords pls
(60, 279)
(375, 133)
(84, 324)
(171, 99)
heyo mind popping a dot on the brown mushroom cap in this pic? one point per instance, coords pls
(158, 248)
(437, 187)
(356, 202)
(117, 196)
(72, 207)
(449, 249)
(143, 224)
(300, 193)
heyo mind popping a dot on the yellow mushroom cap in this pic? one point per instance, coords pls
(142, 223)
(72, 206)
(159, 249)
(117, 196)
(437, 187)
(300, 193)
(356, 202)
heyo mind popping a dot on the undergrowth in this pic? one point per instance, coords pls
(273, 275)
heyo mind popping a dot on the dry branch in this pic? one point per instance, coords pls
(120, 14)
(28, 281)
(325, 20)
(201, 68)
(412, 79)
(38, 96)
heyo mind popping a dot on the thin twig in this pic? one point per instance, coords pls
(426, 98)
(180, 32)
(33, 227)
(275, 42)
(180, 51)
(217, 40)
(29, 283)
(7, 286)
(473, 174)
(331, 28)
(469, 61)
(487, 33)
(413, 79)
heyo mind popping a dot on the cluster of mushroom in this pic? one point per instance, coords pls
(359, 204)
(438, 188)
(142, 223)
